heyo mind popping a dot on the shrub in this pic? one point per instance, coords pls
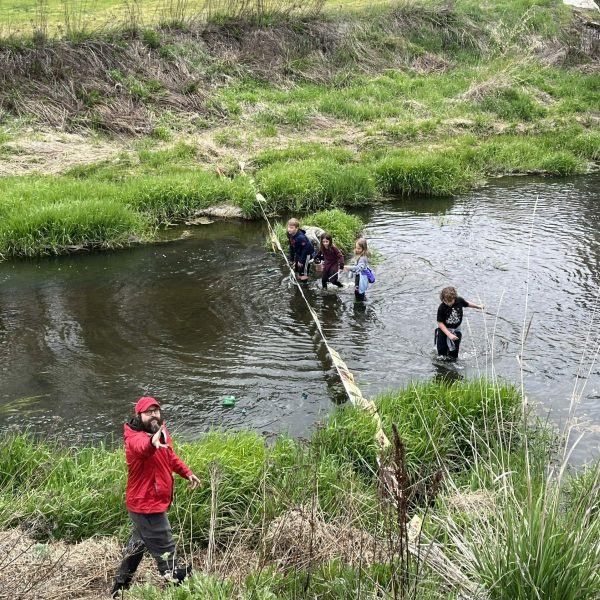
(406, 174)
(344, 228)
(311, 184)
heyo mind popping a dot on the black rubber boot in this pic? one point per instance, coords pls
(127, 569)
(182, 573)
(178, 575)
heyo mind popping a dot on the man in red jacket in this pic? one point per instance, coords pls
(150, 465)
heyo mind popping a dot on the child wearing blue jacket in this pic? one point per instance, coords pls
(361, 283)
(301, 249)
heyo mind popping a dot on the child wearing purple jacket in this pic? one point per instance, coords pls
(332, 259)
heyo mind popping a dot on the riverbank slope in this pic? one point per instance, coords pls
(107, 137)
(475, 493)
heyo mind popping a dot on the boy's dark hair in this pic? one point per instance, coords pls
(448, 294)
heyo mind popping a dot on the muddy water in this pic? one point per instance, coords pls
(214, 314)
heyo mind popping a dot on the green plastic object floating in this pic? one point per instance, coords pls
(229, 401)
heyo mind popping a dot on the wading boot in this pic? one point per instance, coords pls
(178, 576)
(127, 569)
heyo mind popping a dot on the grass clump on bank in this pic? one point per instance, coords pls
(343, 227)
(44, 215)
(407, 173)
(315, 184)
(436, 423)
(319, 519)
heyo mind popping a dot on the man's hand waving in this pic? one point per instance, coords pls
(157, 439)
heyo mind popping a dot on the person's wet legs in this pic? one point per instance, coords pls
(454, 353)
(357, 295)
(441, 342)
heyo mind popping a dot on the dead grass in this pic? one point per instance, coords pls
(490, 87)
(479, 504)
(301, 537)
(118, 85)
(34, 571)
(52, 152)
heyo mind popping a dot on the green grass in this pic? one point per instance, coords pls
(56, 17)
(53, 215)
(435, 174)
(344, 228)
(435, 421)
(358, 122)
(77, 493)
(333, 580)
(315, 184)
(115, 203)
(506, 512)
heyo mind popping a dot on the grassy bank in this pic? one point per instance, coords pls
(317, 519)
(335, 111)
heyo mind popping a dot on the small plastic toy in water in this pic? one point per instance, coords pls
(229, 401)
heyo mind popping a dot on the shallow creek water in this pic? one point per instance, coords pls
(215, 314)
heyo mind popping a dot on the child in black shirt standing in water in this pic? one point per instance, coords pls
(449, 318)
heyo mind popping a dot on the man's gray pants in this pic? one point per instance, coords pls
(151, 532)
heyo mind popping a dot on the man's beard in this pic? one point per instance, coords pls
(153, 426)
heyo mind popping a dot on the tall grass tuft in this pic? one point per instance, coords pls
(433, 174)
(314, 184)
(527, 536)
(43, 215)
(60, 227)
(435, 419)
(343, 227)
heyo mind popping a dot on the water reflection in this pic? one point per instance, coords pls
(214, 314)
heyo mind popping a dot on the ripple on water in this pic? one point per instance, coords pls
(215, 315)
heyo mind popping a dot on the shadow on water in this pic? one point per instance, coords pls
(447, 371)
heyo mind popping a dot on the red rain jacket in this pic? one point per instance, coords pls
(150, 472)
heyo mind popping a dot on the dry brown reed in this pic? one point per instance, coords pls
(301, 537)
(33, 571)
(119, 82)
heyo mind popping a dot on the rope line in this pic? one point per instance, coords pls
(352, 390)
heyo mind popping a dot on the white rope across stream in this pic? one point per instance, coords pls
(352, 390)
